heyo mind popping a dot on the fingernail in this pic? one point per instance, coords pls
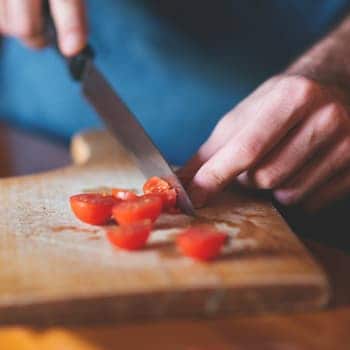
(71, 44)
(197, 196)
(244, 180)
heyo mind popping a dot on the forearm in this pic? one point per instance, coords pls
(328, 61)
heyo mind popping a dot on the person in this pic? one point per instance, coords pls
(180, 65)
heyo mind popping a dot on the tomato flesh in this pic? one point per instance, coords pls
(139, 209)
(156, 185)
(93, 208)
(201, 242)
(122, 194)
(130, 237)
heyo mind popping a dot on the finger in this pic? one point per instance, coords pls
(25, 21)
(70, 20)
(320, 129)
(226, 128)
(3, 16)
(337, 188)
(319, 171)
(36, 42)
(274, 116)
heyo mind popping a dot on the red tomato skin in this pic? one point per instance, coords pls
(201, 242)
(93, 208)
(139, 209)
(123, 194)
(130, 237)
(156, 185)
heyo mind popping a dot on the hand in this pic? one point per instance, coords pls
(292, 135)
(23, 19)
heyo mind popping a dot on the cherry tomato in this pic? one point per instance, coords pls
(93, 208)
(130, 237)
(123, 194)
(158, 186)
(141, 208)
(201, 242)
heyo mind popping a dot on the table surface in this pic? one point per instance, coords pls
(21, 153)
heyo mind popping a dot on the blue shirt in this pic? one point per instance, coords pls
(179, 65)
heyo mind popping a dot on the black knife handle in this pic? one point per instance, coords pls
(76, 64)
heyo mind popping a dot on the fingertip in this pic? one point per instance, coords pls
(245, 180)
(72, 43)
(35, 42)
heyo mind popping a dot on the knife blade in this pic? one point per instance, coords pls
(116, 115)
(126, 128)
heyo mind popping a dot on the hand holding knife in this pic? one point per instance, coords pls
(117, 117)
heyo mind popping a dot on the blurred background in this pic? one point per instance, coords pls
(179, 65)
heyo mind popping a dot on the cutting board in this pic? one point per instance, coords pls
(55, 269)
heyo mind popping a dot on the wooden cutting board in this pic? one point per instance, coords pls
(54, 268)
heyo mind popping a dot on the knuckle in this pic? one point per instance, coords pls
(337, 110)
(249, 153)
(222, 126)
(302, 88)
(247, 158)
(332, 118)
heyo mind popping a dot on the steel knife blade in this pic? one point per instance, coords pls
(126, 128)
(116, 115)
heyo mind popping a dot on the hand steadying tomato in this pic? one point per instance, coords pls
(158, 186)
(132, 236)
(122, 194)
(141, 208)
(93, 208)
(201, 242)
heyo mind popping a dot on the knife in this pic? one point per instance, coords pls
(117, 116)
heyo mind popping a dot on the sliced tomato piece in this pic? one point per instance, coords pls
(130, 237)
(158, 186)
(122, 194)
(141, 208)
(93, 208)
(202, 242)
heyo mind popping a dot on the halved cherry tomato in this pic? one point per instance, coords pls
(201, 242)
(123, 194)
(158, 186)
(130, 237)
(141, 208)
(93, 208)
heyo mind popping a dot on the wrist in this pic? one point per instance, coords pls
(328, 62)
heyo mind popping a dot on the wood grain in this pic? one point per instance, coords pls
(60, 270)
(322, 330)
